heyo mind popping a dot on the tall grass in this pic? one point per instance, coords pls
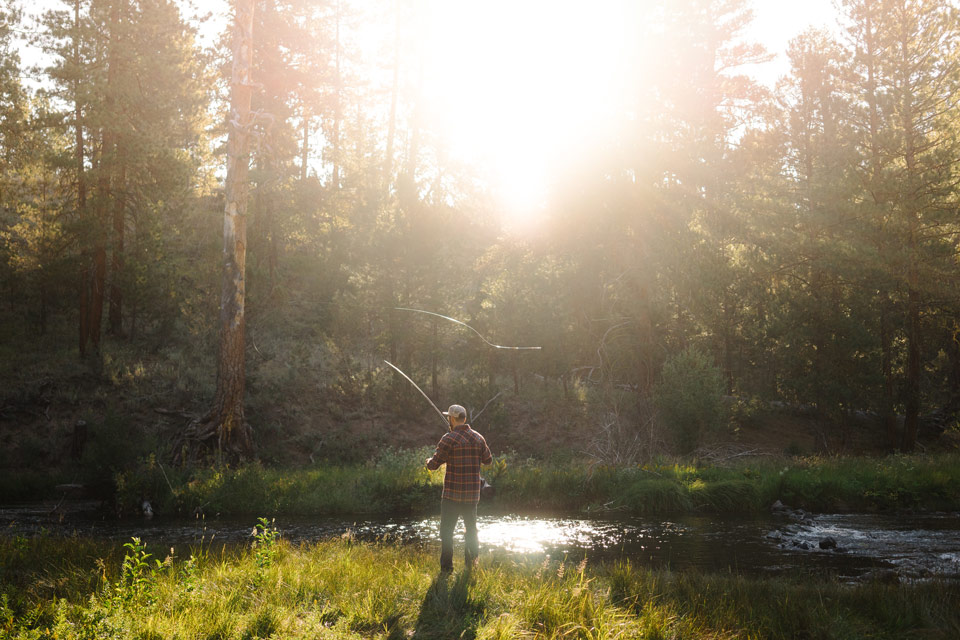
(398, 483)
(341, 589)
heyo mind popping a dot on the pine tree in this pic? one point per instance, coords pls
(909, 83)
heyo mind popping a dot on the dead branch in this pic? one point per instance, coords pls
(486, 405)
(720, 454)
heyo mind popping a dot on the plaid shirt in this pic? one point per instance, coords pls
(463, 450)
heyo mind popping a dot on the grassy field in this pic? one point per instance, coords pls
(74, 588)
(397, 483)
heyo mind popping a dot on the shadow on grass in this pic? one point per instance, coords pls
(448, 609)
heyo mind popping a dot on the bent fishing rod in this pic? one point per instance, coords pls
(446, 423)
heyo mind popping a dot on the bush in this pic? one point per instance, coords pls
(690, 396)
(656, 496)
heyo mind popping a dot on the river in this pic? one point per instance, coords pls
(898, 547)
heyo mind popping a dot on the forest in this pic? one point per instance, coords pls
(710, 245)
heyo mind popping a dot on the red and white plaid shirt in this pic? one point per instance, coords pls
(463, 450)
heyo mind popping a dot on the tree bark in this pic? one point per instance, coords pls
(394, 93)
(305, 148)
(338, 107)
(106, 165)
(911, 419)
(84, 280)
(225, 427)
(887, 412)
(116, 262)
(434, 378)
(115, 174)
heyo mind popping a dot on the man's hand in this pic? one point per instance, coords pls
(427, 463)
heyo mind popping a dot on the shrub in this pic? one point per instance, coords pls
(656, 496)
(690, 396)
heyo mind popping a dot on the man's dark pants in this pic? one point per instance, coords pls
(450, 512)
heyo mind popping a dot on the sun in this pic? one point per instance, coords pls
(514, 86)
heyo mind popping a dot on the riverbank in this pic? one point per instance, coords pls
(75, 588)
(397, 483)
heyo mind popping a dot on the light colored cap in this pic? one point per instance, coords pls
(456, 411)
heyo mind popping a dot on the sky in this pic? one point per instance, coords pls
(515, 96)
(775, 21)
(507, 79)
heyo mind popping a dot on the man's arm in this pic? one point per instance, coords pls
(440, 455)
(486, 457)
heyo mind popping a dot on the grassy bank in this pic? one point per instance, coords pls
(398, 483)
(342, 589)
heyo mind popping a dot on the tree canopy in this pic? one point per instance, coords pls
(800, 241)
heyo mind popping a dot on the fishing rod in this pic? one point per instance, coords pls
(485, 487)
(460, 322)
(446, 423)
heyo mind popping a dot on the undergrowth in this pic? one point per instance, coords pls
(398, 483)
(72, 588)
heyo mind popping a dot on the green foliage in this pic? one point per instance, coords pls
(265, 537)
(652, 495)
(136, 574)
(398, 483)
(689, 396)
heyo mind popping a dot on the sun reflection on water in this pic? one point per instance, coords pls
(519, 534)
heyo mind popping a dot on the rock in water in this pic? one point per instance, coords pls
(486, 489)
(828, 543)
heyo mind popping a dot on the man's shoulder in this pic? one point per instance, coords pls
(476, 434)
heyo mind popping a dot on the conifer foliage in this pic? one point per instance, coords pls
(800, 240)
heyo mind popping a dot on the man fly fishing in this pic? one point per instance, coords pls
(463, 450)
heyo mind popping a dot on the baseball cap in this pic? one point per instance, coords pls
(456, 411)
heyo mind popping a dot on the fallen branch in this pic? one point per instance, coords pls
(727, 452)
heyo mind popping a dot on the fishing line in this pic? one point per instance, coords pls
(495, 346)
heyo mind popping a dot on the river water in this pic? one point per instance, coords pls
(899, 547)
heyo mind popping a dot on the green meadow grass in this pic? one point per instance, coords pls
(74, 588)
(397, 483)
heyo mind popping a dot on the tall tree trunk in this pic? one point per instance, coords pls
(394, 95)
(434, 382)
(43, 306)
(115, 174)
(98, 277)
(116, 261)
(105, 166)
(271, 220)
(226, 425)
(887, 413)
(338, 107)
(84, 280)
(305, 147)
(911, 417)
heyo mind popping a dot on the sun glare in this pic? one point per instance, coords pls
(513, 85)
